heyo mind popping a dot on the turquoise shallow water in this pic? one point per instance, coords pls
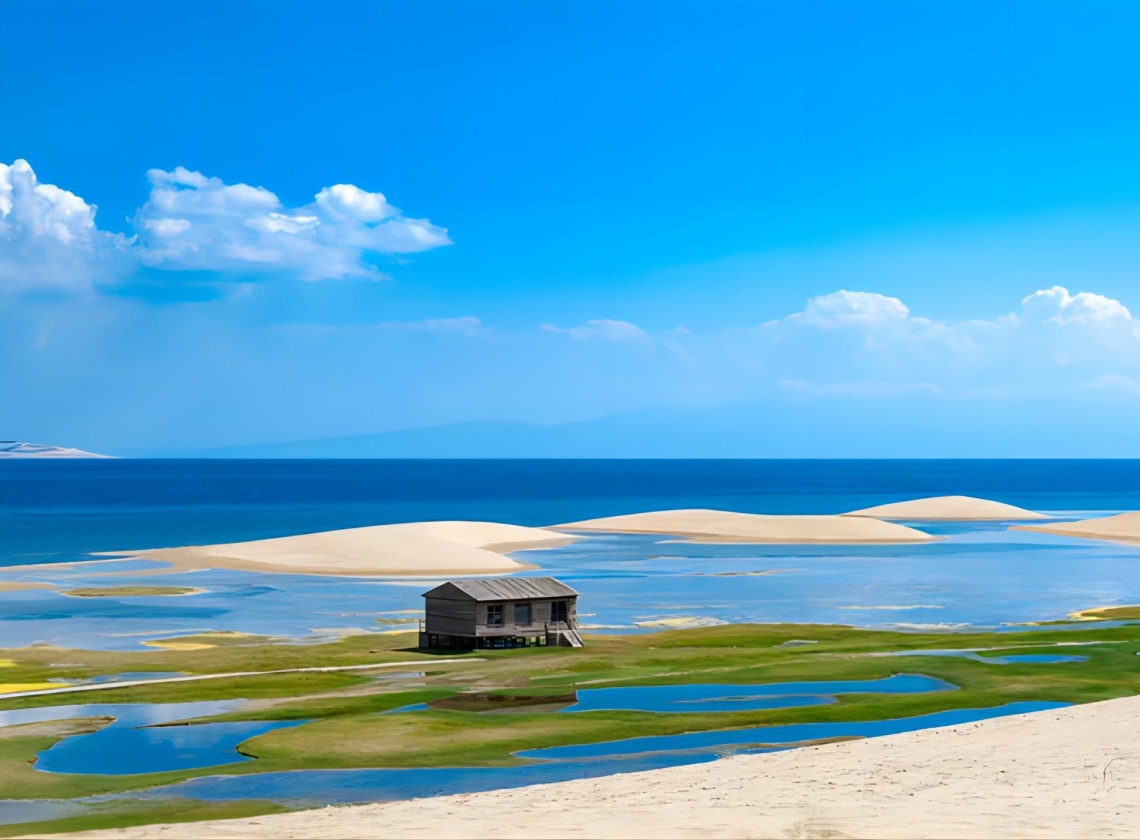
(980, 575)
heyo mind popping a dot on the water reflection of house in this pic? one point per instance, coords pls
(500, 612)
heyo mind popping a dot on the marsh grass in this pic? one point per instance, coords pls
(346, 726)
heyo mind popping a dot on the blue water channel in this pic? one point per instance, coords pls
(711, 697)
(137, 742)
(298, 788)
(726, 741)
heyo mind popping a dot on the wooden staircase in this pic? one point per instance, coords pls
(559, 634)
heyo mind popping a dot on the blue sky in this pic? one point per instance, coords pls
(361, 217)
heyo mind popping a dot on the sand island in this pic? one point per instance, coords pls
(949, 508)
(414, 548)
(727, 526)
(1124, 527)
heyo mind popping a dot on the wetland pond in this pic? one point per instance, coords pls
(140, 740)
(297, 788)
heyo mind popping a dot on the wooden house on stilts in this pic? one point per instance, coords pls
(500, 612)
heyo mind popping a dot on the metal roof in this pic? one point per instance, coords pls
(508, 588)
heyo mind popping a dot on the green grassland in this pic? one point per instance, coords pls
(344, 726)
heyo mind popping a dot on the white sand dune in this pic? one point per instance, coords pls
(1071, 772)
(959, 508)
(414, 548)
(1124, 527)
(726, 526)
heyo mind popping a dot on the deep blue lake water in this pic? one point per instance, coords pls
(53, 510)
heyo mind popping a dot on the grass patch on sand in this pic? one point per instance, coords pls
(1122, 613)
(128, 813)
(130, 591)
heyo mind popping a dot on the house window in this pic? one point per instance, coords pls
(494, 615)
(522, 615)
(558, 611)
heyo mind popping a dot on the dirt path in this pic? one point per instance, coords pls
(73, 689)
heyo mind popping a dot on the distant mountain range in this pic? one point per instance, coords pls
(18, 449)
(922, 426)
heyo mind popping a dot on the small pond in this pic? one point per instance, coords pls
(137, 742)
(710, 697)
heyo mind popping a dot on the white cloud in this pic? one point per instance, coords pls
(603, 329)
(192, 221)
(877, 320)
(48, 238)
(1057, 306)
(852, 309)
(862, 340)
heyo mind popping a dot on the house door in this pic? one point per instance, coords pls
(558, 611)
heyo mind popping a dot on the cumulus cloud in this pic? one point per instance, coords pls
(192, 221)
(48, 238)
(851, 309)
(863, 340)
(603, 329)
(1057, 306)
(876, 320)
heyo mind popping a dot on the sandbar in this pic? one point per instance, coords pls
(413, 548)
(1121, 612)
(949, 508)
(1124, 527)
(1071, 772)
(19, 585)
(131, 591)
(728, 526)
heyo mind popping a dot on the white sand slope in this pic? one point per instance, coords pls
(414, 548)
(726, 526)
(959, 508)
(1124, 527)
(19, 449)
(1072, 772)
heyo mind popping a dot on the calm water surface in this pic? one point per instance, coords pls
(981, 574)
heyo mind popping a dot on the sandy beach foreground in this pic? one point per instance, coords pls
(1072, 772)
